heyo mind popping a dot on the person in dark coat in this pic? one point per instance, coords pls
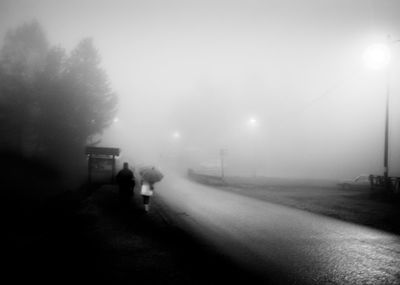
(126, 183)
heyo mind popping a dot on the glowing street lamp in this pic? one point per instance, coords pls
(176, 135)
(252, 122)
(377, 56)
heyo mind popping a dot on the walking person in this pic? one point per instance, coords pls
(149, 176)
(147, 190)
(126, 183)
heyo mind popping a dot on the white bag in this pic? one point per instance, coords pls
(145, 190)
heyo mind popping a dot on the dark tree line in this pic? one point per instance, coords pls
(52, 103)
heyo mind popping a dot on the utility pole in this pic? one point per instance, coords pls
(378, 56)
(386, 144)
(386, 177)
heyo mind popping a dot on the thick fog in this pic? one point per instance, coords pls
(281, 86)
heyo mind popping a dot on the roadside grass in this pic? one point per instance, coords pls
(362, 206)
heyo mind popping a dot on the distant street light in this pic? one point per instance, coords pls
(174, 148)
(377, 56)
(116, 120)
(252, 122)
(176, 135)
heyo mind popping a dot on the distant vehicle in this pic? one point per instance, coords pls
(361, 181)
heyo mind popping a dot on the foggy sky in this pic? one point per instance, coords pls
(204, 68)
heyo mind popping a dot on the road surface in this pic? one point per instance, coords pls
(282, 244)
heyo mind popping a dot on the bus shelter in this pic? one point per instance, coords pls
(101, 164)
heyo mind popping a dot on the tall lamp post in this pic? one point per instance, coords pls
(377, 56)
(175, 150)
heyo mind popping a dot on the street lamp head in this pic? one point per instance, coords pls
(377, 56)
(176, 135)
(252, 122)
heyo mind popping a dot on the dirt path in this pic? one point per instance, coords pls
(139, 244)
(94, 241)
(146, 247)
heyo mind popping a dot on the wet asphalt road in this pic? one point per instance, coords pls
(283, 245)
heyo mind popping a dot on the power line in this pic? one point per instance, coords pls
(328, 92)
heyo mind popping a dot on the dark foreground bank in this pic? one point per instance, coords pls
(69, 239)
